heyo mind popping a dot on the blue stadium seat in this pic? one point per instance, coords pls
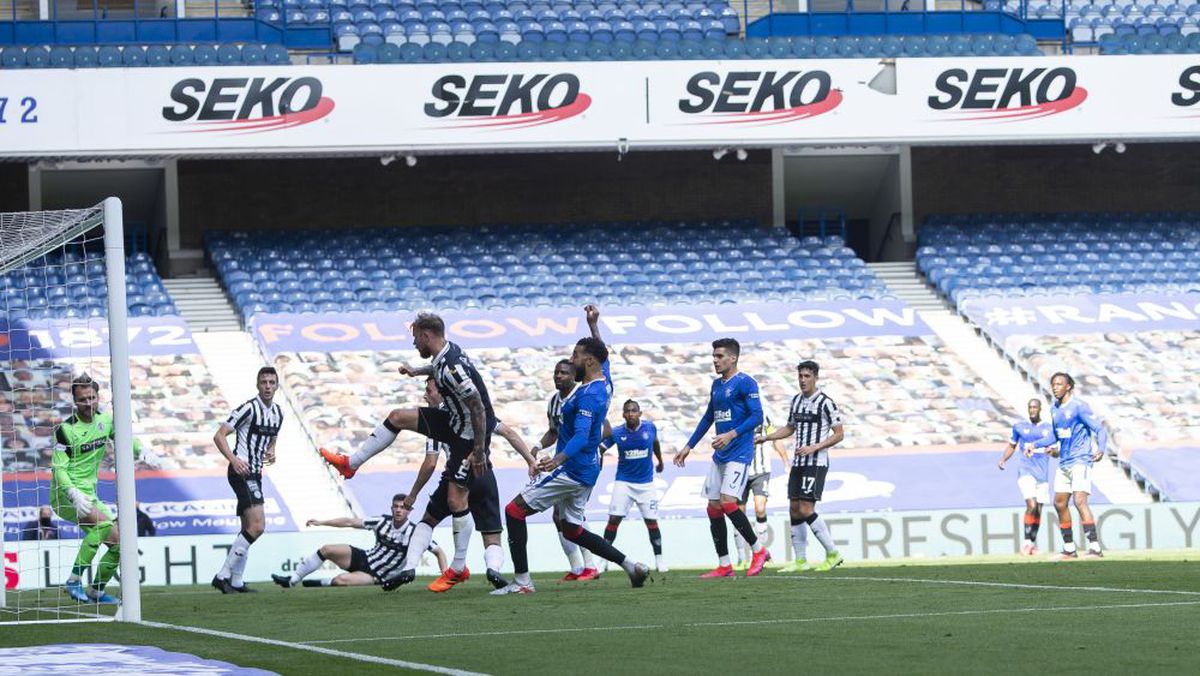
(85, 57)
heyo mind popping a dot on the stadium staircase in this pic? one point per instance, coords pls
(903, 280)
(299, 474)
(905, 283)
(202, 303)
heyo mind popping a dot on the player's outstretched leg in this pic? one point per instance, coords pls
(382, 437)
(94, 536)
(638, 572)
(308, 565)
(104, 572)
(457, 572)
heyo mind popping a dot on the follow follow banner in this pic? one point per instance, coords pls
(540, 327)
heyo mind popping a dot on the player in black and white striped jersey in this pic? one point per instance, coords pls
(480, 509)
(465, 424)
(393, 535)
(816, 422)
(581, 561)
(257, 424)
(758, 484)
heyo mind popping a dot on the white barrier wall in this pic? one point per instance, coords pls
(185, 560)
(448, 107)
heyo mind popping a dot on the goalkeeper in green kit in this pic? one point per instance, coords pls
(80, 443)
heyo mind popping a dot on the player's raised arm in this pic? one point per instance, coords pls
(416, 371)
(593, 320)
(339, 522)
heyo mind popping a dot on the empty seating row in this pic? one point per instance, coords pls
(133, 56)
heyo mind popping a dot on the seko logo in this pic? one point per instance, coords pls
(250, 105)
(759, 97)
(511, 101)
(1008, 94)
(1189, 88)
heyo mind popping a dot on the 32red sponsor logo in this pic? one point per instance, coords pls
(506, 100)
(247, 104)
(1007, 93)
(759, 97)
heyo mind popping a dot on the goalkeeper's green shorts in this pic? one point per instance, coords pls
(61, 503)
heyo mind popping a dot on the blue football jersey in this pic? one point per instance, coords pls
(635, 452)
(1039, 436)
(583, 415)
(733, 405)
(1074, 426)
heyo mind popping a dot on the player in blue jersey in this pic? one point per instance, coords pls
(734, 406)
(1075, 426)
(1034, 439)
(571, 473)
(639, 456)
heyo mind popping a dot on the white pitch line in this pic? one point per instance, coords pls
(796, 620)
(976, 583)
(512, 632)
(417, 666)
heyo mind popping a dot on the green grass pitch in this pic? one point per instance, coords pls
(1119, 615)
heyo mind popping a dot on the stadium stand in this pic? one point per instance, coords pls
(1140, 382)
(137, 56)
(1015, 255)
(532, 266)
(626, 46)
(78, 289)
(1089, 21)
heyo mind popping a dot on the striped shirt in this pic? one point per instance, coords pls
(554, 410)
(813, 419)
(390, 552)
(434, 447)
(761, 462)
(257, 425)
(458, 381)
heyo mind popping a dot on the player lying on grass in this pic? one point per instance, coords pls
(393, 533)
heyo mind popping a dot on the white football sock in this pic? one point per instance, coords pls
(629, 565)
(231, 556)
(493, 557)
(821, 530)
(724, 561)
(572, 550)
(523, 579)
(421, 537)
(237, 559)
(307, 566)
(589, 559)
(740, 546)
(463, 528)
(800, 541)
(380, 439)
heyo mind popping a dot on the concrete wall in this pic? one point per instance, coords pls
(1146, 177)
(482, 189)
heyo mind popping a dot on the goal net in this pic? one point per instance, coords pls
(66, 449)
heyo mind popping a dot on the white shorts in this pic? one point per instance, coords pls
(726, 478)
(556, 489)
(1074, 479)
(625, 494)
(1032, 489)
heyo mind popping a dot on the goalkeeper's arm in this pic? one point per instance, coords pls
(59, 462)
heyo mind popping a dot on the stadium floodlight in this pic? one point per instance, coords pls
(1099, 147)
(387, 159)
(742, 154)
(410, 160)
(718, 153)
(1120, 147)
(63, 275)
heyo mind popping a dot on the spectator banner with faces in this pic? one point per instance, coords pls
(587, 105)
(75, 338)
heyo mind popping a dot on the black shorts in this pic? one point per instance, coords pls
(758, 484)
(358, 562)
(248, 489)
(807, 483)
(483, 501)
(435, 424)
